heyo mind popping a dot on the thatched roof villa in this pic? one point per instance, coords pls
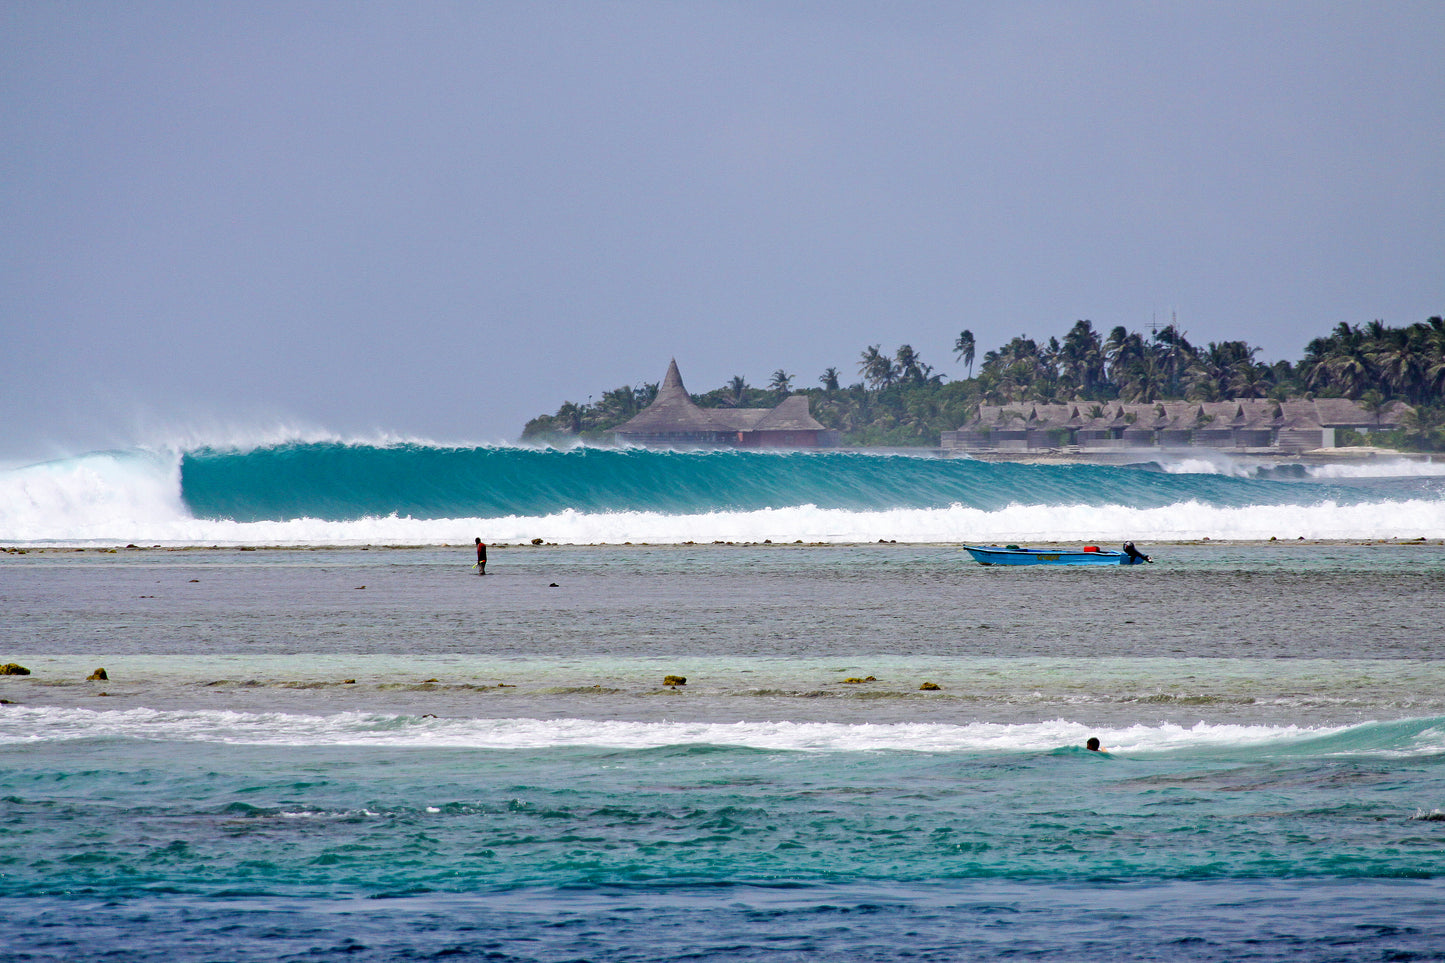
(1254, 424)
(674, 419)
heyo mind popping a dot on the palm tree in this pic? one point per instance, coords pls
(963, 349)
(737, 391)
(1121, 349)
(1337, 363)
(1082, 356)
(1176, 352)
(1142, 380)
(829, 380)
(1247, 380)
(1204, 380)
(909, 367)
(782, 381)
(1399, 363)
(1349, 373)
(1434, 376)
(619, 403)
(570, 417)
(877, 367)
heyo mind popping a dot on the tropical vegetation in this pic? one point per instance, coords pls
(902, 400)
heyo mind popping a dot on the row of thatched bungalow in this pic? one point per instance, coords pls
(1242, 424)
(1248, 424)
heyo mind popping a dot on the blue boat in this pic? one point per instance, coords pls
(1088, 555)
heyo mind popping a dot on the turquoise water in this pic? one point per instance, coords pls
(337, 493)
(376, 755)
(339, 481)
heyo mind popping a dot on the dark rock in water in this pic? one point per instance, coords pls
(554, 585)
(856, 681)
(12, 668)
(97, 676)
(348, 682)
(675, 680)
(929, 687)
(536, 541)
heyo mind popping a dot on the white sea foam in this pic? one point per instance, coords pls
(1222, 463)
(76, 498)
(151, 517)
(30, 725)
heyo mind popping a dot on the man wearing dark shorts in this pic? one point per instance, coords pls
(481, 557)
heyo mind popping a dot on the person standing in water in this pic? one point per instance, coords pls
(481, 557)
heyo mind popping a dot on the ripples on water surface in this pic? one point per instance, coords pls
(507, 777)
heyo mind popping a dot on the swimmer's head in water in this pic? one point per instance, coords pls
(1093, 744)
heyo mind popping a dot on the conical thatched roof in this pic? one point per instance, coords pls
(672, 410)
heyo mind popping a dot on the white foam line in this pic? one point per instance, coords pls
(25, 725)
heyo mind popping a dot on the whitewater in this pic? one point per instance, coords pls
(358, 493)
(22, 726)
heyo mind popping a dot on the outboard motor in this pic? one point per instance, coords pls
(1135, 556)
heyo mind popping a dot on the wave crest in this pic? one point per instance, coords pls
(411, 493)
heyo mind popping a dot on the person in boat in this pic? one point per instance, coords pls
(481, 557)
(1135, 556)
(1093, 744)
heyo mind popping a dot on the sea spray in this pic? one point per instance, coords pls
(408, 493)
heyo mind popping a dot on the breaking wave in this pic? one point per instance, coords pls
(334, 492)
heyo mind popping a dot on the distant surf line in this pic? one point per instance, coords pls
(140, 497)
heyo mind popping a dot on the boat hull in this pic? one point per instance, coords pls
(993, 555)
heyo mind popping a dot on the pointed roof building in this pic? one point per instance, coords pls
(674, 418)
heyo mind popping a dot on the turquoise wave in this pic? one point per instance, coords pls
(340, 482)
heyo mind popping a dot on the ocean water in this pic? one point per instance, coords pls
(333, 749)
(340, 493)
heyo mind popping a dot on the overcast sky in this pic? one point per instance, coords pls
(440, 219)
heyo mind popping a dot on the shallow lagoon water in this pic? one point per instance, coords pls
(286, 765)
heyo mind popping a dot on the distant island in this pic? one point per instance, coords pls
(1395, 375)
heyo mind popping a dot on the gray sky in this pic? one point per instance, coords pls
(440, 219)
